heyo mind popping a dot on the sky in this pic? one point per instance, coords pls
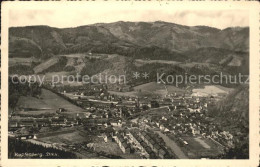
(61, 18)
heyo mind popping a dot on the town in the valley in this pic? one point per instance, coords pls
(137, 116)
(92, 121)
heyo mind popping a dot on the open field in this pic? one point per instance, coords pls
(56, 102)
(32, 102)
(140, 62)
(200, 147)
(45, 65)
(236, 61)
(76, 55)
(83, 55)
(60, 78)
(109, 147)
(150, 89)
(54, 75)
(130, 94)
(158, 89)
(193, 64)
(211, 90)
(49, 102)
(20, 61)
(65, 138)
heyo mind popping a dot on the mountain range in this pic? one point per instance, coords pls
(138, 40)
(126, 35)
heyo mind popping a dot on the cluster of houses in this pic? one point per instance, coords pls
(225, 137)
(181, 121)
(155, 142)
(42, 122)
(122, 143)
(147, 144)
(140, 145)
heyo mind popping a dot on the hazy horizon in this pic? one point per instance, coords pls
(62, 19)
(126, 22)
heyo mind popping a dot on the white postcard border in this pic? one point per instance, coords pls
(253, 9)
